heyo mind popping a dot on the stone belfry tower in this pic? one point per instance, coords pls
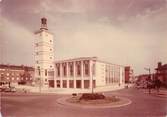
(44, 55)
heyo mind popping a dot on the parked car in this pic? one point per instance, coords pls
(10, 89)
(2, 88)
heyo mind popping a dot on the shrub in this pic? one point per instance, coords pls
(74, 94)
(92, 96)
(22, 83)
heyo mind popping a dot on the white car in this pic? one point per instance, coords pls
(10, 89)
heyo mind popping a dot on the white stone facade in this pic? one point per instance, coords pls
(86, 73)
(44, 55)
(83, 73)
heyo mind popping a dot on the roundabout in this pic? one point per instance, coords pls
(140, 104)
(109, 102)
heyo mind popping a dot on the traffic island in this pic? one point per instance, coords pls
(89, 101)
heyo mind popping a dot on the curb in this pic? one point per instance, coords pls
(62, 101)
(162, 95)
(29, 94)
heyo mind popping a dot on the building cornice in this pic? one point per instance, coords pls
(86, 58)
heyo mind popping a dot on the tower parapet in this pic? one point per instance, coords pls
(44, 24)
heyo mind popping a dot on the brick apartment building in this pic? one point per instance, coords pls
(16, 74)
(161, 73)
(86, 72)
(129, 75)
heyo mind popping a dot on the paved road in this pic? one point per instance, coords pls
(34, 105)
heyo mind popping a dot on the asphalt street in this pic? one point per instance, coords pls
(45, 105)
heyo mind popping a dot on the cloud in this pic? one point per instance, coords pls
(137, 41)
(129, 33)
(16, 44)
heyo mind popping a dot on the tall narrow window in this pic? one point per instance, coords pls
(46, 72)
(64, 69)
(71, 71)
(39, 72)
(58, 69)
(78, 66)
(86, 68)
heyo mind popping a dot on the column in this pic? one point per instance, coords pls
(82, 74)
(67, 75)
(61, 76)
(74, 69)
(91, 74)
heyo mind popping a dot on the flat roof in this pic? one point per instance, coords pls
(15, 67)
(86, 58)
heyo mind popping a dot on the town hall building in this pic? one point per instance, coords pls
(83, 73)
(87, 72)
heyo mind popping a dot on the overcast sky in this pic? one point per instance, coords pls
(126, 32)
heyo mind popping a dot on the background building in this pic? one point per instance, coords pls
(161, 73)
(87, 72)
(44, 55)
(129, 75)
(16, 74)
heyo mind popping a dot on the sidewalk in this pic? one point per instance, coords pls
(161, 93)
(67, 90)
(70, 91)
